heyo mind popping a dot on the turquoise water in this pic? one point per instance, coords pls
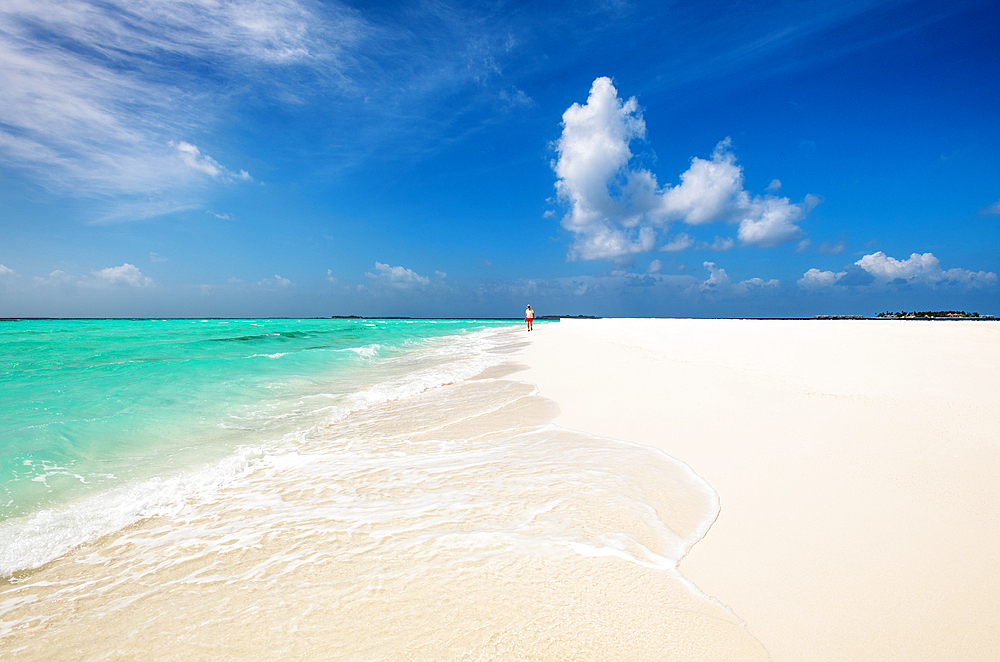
(317, 489)
(87, 406)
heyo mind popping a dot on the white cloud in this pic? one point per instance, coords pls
(593, 154)
(194, 159)
(992, 209)
(751, 284)
(880, 270)
(803, 246)
(57, 277)
(95, 91)
(655, 267)
(621, 284)
(615, 209)
(678, 243)
(156, 257)
(719, 282)
(710, 190)
(831, 248)
(770, 221)
(274, 283)
(814, 279)
(773, 186)
(919, 268)
(515, 97)
(683, 241)
(146, 207)
(330, 277)
(719, 244)
(6, 271)
(127, 274)
(399, 278)
(440, 274)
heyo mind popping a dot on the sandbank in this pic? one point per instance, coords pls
(857, 464)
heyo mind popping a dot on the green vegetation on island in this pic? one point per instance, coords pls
(931, 314)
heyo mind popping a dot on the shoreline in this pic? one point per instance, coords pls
(855, 465)
(453, 522)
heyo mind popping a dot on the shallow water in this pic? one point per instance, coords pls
(103, 422)
(449, 521)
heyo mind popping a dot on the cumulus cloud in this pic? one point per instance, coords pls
(719, 244)
(274, 283)
(399, 278)
(719, 282)
(769, 220)
(615, 209)
(593, 158)
(919, 268)
(622, 285)
(678, 243)
(655, 267)
(57, 277)
(814, 279)
(881, 270)
(127, 274)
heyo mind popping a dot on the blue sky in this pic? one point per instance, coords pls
(296, 158)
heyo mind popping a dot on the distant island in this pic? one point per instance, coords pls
(932, 314)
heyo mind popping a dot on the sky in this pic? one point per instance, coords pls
(231, 158)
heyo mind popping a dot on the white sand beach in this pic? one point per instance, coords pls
(857, 464)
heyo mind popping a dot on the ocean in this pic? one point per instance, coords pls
(329, 489)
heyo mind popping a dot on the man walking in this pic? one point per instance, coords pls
(529, 316)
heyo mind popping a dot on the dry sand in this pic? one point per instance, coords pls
(857, 462)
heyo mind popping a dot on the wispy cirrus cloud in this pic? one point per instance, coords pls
(100, 98)
(616, 209)
(194, 159)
